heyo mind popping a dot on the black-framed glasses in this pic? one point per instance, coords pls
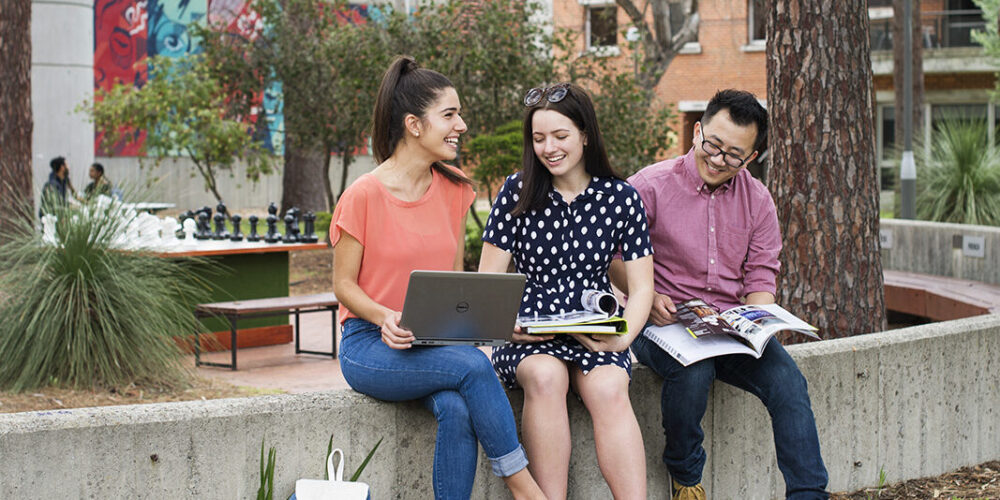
(553, 94)
(713, 149)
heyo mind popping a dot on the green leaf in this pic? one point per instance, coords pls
(357, 473)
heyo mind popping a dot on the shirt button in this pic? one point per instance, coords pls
(711, 229)
(709, 289)
(711, 261)
(713, 196)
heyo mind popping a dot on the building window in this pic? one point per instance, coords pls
(757, 21)
(602, 26)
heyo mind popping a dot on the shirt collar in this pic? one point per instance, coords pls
(597, 185)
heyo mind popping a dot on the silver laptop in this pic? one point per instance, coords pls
(450, 307)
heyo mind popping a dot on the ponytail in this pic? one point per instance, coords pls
(406, 88)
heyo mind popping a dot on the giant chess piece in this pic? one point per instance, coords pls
(221, 208)
(272, 236)
(290, 236)
(181, 234)
(253, 236)
(237, 231)
(189, 228)
(204, 232)
(297, 216)
(310, 234)
(220, 227)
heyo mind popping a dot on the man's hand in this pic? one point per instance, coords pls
(525, 338)
(394, 336)
(663, 311)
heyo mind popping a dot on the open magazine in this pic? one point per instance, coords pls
(701, 332)
(598, 315)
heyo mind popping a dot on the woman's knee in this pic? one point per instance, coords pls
(605, 387)
(449, 406)
(543, 376)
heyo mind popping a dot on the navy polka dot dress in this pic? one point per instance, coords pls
(565, 249)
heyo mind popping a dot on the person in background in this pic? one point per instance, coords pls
(408, 214)
(58, 186)
(99, 183)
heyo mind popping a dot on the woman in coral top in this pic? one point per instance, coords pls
(407, 214)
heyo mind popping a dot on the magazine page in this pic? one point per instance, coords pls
(702, 320)
(675, 339)
(757, 323)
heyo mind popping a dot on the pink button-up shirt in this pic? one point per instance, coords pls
(714, 245)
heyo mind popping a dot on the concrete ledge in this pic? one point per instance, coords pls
(929, 248)
(917, 401)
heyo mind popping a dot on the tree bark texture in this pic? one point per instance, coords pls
(302, 183)
(897, 72)
(823, 170)
(15, 104)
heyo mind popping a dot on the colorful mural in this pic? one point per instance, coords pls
(127, 32)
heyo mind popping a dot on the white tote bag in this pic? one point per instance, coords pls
(334, 489)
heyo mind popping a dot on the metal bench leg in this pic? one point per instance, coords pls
(197, 349)
(232, 340)
(298, 332)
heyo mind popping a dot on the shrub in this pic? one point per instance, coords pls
(82, 312)
(473, 247)
(959, 180)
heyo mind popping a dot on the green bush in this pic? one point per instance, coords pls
(495, 155)
(84, 313)
(959, 180)
(473, 246)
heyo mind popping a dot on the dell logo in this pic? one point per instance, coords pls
(462, 307)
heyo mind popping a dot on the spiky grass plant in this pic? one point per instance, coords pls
(85, 313)
(959, 180)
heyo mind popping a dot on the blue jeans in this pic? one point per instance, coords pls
(774, 378)
(457, 383)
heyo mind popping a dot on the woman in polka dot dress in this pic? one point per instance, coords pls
(562, 219)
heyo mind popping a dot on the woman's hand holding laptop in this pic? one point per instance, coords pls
(393, 335)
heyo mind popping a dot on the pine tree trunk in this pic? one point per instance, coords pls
(15, 104)
(823, 171)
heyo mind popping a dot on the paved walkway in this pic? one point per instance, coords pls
(278, 367)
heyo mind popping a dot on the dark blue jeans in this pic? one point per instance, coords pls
(774, 378)
(458, 384)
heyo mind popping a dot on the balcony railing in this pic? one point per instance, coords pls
(939, 30)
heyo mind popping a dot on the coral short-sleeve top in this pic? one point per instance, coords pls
(400, 236)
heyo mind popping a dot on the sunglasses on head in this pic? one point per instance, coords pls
(553, 94)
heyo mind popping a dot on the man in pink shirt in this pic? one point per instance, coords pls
(715, 237)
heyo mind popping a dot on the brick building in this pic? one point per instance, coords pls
(730, 49)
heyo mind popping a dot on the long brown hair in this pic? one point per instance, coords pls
(537, 180)
(406, 88)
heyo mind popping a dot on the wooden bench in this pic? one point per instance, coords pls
(257, 308)
(939, 298)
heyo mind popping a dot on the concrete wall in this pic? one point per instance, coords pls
(62, 77)
(936, 248)
(916, 402)
(172, 182)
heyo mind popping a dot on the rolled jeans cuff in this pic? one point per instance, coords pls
(511, 463)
